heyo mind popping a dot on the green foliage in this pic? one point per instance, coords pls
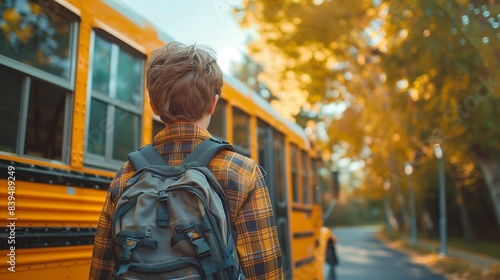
(356, 211)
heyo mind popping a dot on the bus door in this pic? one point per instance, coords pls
(271, 145)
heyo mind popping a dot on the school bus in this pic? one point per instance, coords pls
(74, 104)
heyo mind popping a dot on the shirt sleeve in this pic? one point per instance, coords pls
(258, 247)
(102, 264)
(102, 257)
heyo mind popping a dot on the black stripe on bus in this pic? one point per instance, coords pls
(304, 262)
(303, 234)
(54, 176)
(302, 209)
(33, 237)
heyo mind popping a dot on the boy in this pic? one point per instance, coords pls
(184, 84)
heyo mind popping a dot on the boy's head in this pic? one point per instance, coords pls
(182, 81)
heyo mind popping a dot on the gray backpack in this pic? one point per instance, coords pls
(172, 222)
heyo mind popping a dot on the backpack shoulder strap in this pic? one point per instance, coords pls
(145, 156)
(204, 152)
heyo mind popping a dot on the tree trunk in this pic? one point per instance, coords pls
(491, 172)
(396, 180)
(402, 208)
(392, 223)
(464, 215)
(427, 223)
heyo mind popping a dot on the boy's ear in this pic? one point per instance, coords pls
(153, 107)
(211, 109)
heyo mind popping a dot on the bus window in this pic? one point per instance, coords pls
(295, 173)
(305, 178)
(11, 94)
(279, 167)
(316, 186)
(266, 158)
(265, 155)
(46, 47)
(37, 76)
(115, 105)
(45, 122)
(241, 132)
(217, 127)
(271, 156)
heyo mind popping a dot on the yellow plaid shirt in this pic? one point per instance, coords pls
(246, 191)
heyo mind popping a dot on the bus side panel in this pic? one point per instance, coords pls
(55, 214)
(309, 243)
(43, 205)
(72, 262)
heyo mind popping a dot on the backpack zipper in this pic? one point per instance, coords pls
(176, 264)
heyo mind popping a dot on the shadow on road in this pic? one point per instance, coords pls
(363, 256)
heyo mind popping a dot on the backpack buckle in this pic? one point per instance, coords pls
(203, 251)
(128, 247)
(202, 248)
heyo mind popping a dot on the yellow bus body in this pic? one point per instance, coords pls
(43, 205)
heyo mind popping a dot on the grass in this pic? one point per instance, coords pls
(490, 249)
(452, 268)
(458, 269)
(487, 248)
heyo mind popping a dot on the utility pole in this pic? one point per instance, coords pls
(438, 152)
(411, 194)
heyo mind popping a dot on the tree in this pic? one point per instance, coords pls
(448, 51)
(392, 78)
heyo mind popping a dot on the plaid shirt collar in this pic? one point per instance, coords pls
(180, 134)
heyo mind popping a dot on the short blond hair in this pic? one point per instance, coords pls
(182, 81)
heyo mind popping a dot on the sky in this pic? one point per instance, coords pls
(207, 22)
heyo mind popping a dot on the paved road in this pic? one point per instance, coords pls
(362, 256)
